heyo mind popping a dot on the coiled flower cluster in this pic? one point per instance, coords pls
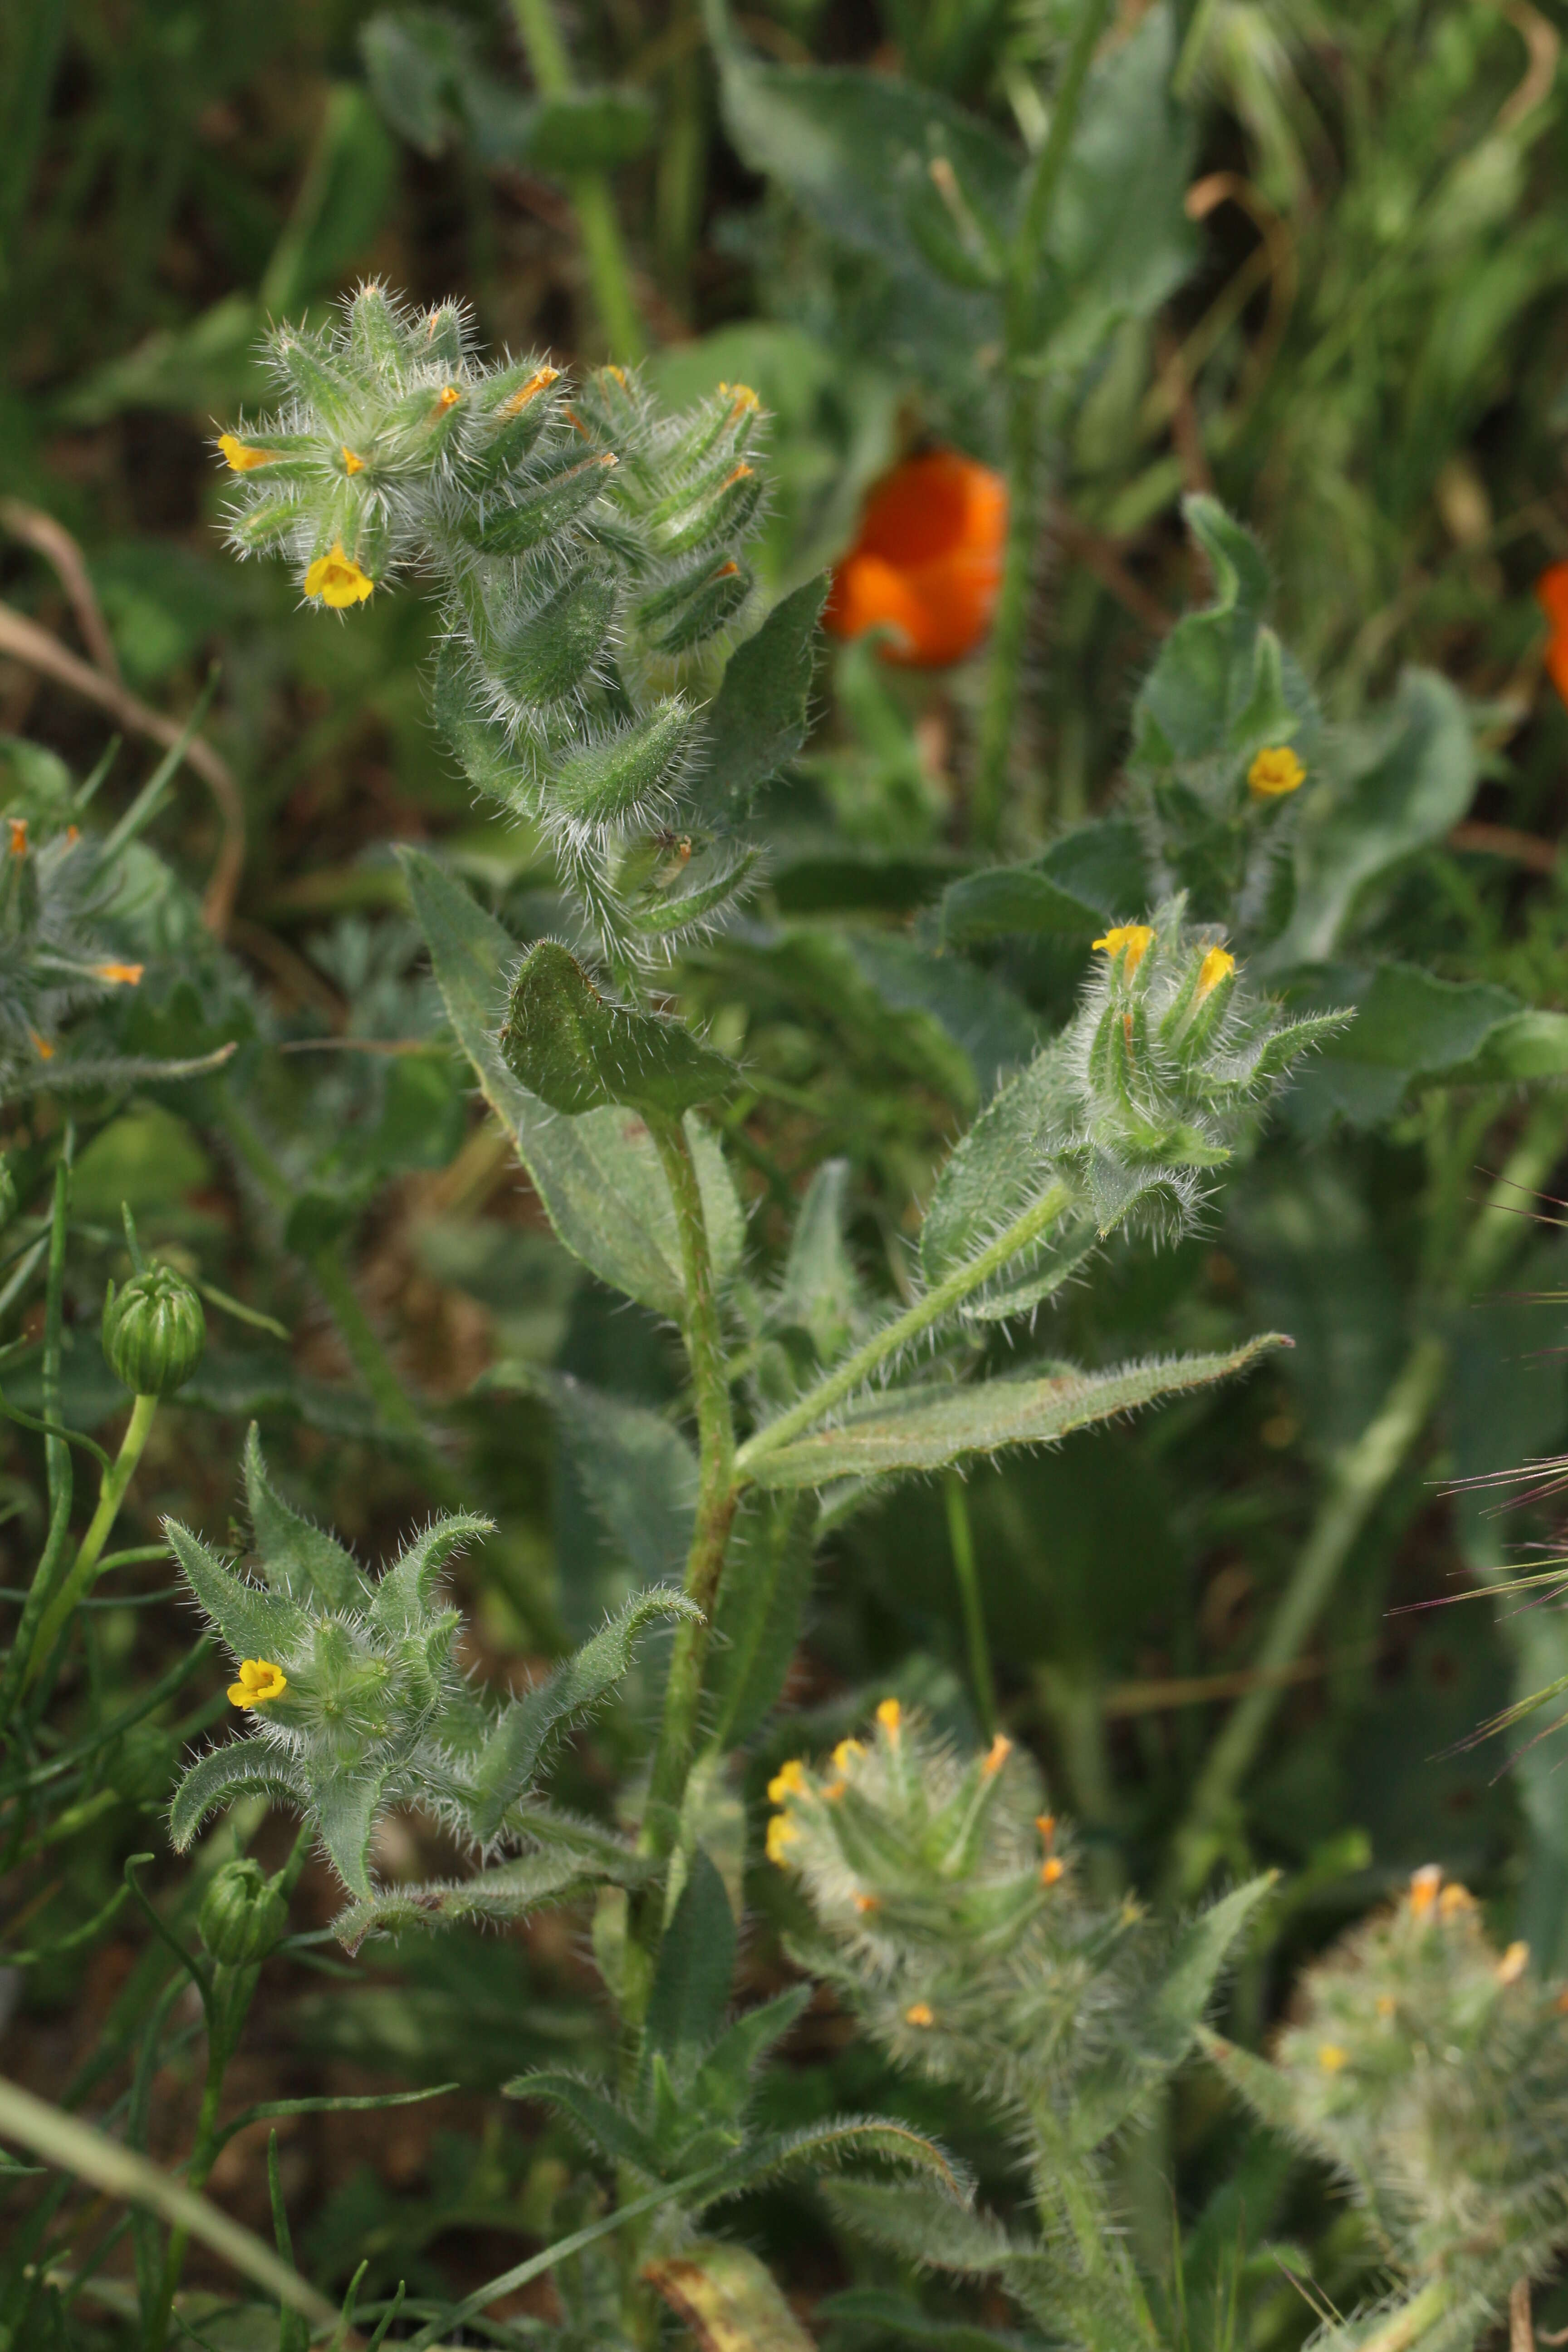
(588, 551)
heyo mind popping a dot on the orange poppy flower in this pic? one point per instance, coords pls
(928, 562)
(1552, 595)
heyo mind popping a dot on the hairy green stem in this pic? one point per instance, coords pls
(940, 1300)
(1405, 2328)
(112, 1493)
(717, 1495)
(1021, 335)
(602, 250)
(962, 1537)
(1358, 1481)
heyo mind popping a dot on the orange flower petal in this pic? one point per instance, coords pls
(928, 561)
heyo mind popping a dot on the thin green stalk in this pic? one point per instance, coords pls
(1358, 1481)
(940, 1300)
(602, 250)
(717, 1495)
(112, 1493)
(962, 1537)
(56, 1452)
(1020, 339)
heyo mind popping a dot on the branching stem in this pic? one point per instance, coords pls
(112, 1493)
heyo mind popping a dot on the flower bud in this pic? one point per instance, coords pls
(243, 1915)
(153, 1331)
(541, 508)
(549, 650)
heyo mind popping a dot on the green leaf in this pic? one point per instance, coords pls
(511, 1890)
(757, 1621)
(242, 1767)
(758, 719)
(723, 2083)
(696, 1967)
(1007, 900)
(254, 1623)
(820, 1292)
(403, 1598)
(1404, 780)
(826, 2148)
(1175, 2011)
(912, 2220)
(728, 2299)
(345, 1806)
(599, 1176)
(636, 1469)
(991, 1026)
(1267, 2091)
(577, 1050)
(998, 1170)
(1120, 239)
(512, 1754)
(1408, 1025)
(928, 1428)
(599, 2123)
(1215, 691)
(302, 1561)
(1528, 1044)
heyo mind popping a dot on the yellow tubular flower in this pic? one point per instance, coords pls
(259, 1680)
(1052, 1869)
(789, 1781)
(1330, 2057)
(449, 398)
(1275, 772)
(889, 1714)
(18, 826)
(337, 579)
(1131, 941)
(1455, 1899)
(1423, 1885)
(920, 2012)
(238, 458)
(351, 465)
(996, 1755)
(1217, 965)
(540, 380)
(846, 1751)
(46, 1051)
(119, 975)
(1513, 1963)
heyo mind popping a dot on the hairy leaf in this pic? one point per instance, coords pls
(511, 1890)
(758, 719)
(728, 2299)
(298, 1559)
(757, 1621)
(577, 1050)
(600, 2123)
(254, 1623)
(243, 1767)
(915, 2221)
(692, 1978)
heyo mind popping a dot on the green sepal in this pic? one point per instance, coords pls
(600, 2123)
(575, 1050)
(609, 776)
(539, 509)
(403, 1597)
(691, 610)
(297, 1559)
(692, 1978)
(254, 1625)
(544, 652)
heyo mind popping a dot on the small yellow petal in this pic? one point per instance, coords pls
(864, 1903)
(337, 579)
(782, 1832)
(1513, 1963)
(240, 459)
(1217, 965)
(1455, 1899)
(259, 1680)
(351, 465)
(1047, 1825)
(844, 1754)
(1330, 2057)
(741, 396)
(996, 1756)
(18, 826)
(920, 2012)
(449, 398)
(789, 1781)
(889, 1714)
(1131, 941)
(1423, 1885)
(238, 1695)
(119, 975)
(45, 1051)
(1052, 1869)
(1276, 772)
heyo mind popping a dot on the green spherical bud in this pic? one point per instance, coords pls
(243, 1915)
(153, 1331)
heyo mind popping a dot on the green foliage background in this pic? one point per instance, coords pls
(1352, 336)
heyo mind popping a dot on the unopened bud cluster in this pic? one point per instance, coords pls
(952, 1905)
(55, 961)
(587, 548)
(1430, 2069)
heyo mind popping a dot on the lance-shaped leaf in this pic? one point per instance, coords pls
(344, 1805)
(691, 1980)
(511, 1890)
(604, 2126)
(828, 2148)
(254, 1623)
(916, 2221)
(297, 1559)
(1268, 2092)
(820, 1292)
(758, 719)
(723, 2082)
(997, 1172)
(728, 2299)
(928, 1428)
(403, 1597)
(636, 1470)
(757, 1621)
(599, 1176)
(512, 1754)
(244, 1768)
(576, 1050)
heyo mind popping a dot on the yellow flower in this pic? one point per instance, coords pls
(1275, 772)
(864, 1903)
(449, 398)
(337, 579)
(1330, 2057)
(1423, 1885)
(846, 1752)
(1131, 941)
(789, 1781)
(996, 1756)
(1217, 965)
(259, 1680)
(1455, 1899)
(1052, 1869)
(743, 397)
(351, 465)
(18, 826)
(1513, 1963)
(782, 1832)
(889, 1714)
(119, 975)
(920, 2012)
(238, 458)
